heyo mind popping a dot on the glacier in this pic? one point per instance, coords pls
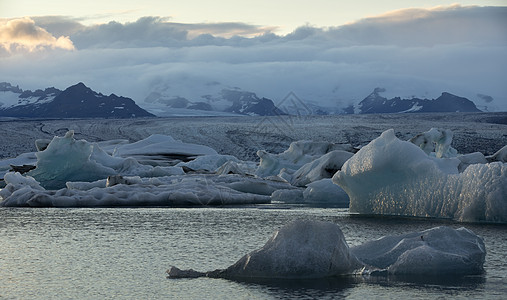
(307, 249)
(394, 177)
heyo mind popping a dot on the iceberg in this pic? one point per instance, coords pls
(307, 249)
(322, 193)
(323, 167)
(435, 141)
(298, 154)
(302, 249)
(218, 163)
(159, 148)
(67, 159)
(394, 177)
(325, 193)
(437, 251)
(176, 190)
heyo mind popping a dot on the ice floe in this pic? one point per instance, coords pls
(182, 190)
(394, 177)
(307, 249)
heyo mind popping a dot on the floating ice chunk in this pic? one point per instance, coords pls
(435, 140)
(18, 184)
(254, 185)
(319, 193)
(298, 154)
(325, 192)
(323, 167)
(437, 251)
(470, 159)
(230, 167)
(184, 190)
(160, 148)
(393, 177)
(208, 162)
(66, 159)
(302, 249)
(316, 249)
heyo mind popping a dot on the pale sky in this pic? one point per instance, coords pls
(285, 15)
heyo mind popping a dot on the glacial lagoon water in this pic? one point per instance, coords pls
(123, 253)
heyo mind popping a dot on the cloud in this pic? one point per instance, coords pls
(420, 52)
(485, 98)
(23, 34)
(428, 27)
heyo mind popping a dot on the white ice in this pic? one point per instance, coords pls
(298, 154)
(307, 249)
(323, 167)
(435, 141)
(394, 177)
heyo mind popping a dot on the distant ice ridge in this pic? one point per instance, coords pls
(308, 249)
(394, 177)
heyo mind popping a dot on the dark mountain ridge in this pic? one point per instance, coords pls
(447, 102)
(77, 101)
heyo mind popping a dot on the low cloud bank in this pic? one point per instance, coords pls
(411, 52)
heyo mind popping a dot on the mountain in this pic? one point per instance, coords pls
(77, 101)
(225, 102)
(248, 103)
(375, 103)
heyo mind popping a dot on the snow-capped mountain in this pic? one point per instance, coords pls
(375, 103)
(77, 101)
(225, 102)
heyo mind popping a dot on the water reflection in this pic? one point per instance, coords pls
(343, 286)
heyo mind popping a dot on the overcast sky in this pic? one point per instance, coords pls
(330, 52)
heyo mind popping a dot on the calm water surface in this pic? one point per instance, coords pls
(123, 253)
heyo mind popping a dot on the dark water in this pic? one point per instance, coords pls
(123, 253)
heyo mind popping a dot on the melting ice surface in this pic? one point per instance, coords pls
(394, 177)
(315, 249)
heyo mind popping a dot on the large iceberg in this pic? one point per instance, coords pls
(67, 159)
(302, 249)
(308, 249)
(394, 177)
